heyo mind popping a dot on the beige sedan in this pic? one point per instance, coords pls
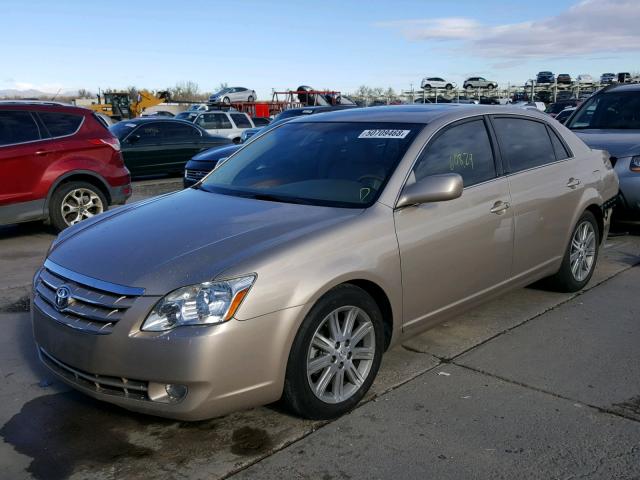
(290, 269)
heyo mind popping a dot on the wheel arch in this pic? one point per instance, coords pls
(596, 210)
(78, 176)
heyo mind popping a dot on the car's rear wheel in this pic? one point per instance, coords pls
(491, 86)
(449, 86)
(250, 99)
(427, 87)
(580, 259)
(335, 355)
(73, 202)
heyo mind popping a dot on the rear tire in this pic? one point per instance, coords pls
(580, 258)
(449, 86)
(250, 99)
(335, 356)
(73, 202)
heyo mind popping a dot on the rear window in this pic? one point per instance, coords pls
(524, 143)
(241, 120)
(17, 127)
(60, 124)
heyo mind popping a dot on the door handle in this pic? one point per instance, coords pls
(573, 182)
(500, 207)
(42, 153)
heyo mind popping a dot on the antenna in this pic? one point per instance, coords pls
(54, 97)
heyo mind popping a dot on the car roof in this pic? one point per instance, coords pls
(43, 105)
(624, 87)
(158, 119)
(415, 113)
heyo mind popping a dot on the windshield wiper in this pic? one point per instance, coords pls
(278, 198)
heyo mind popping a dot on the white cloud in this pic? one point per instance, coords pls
(588, 27)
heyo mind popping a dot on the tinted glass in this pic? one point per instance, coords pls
(241, 120)
(17, 127)
(334, 164)
(166, 133)
(463, 149)
(613, 110)
(60, 124)
(524, 143)
(122, 129)
(210, 121)
(558, 146)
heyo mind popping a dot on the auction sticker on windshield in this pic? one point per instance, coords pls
(379, 133)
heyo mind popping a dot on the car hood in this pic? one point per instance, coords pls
(619, 143)
(186, 238)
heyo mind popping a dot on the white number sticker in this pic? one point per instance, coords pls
(380, 133)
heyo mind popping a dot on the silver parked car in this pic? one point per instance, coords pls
(290, 269)
(233, 94)
(479, 82)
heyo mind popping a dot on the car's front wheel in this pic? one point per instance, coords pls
(73, 202)
(581, 256)
(449, 86)
(226, 100)
(335, 355)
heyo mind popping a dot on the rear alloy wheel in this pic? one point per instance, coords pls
(580, 258)
(491, 86)
(449, 86)
(74, 202)
(250, 99)
(335, 355)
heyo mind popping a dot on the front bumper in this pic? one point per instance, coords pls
(226, 367)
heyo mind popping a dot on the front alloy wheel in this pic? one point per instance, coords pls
(335, 355)
(341, 354)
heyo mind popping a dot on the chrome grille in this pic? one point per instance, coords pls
(195, 175)
(119, 386)
(89, 309)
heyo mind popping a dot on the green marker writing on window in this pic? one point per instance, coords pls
(461, 161)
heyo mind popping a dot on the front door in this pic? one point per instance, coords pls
(454, 252)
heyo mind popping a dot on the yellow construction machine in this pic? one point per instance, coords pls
(119, 105)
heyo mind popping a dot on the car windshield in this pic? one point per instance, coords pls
(613, 110)
(122, 129)
(329, 164)
(224, 90)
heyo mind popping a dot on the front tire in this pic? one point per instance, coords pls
(73, 202)
(335, 356)
(226, 100)
(580, 259)
(449, 86)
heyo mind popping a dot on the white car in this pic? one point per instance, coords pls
(437, 82)
(227, 124)
(584, 79)
(232, 95)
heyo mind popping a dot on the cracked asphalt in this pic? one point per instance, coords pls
(534, 384)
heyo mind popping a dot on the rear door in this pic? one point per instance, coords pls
(545, 188)
(454, 252)
(24, 155)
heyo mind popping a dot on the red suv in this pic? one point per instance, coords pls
(58, 163)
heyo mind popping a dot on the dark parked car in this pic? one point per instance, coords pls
(161, 145)
(545, 77)
(261, 121)
(198, 167)
(563, 78)
(189, 115)
(564, 115)
(58, 163)
(554, 109)
(610, 120)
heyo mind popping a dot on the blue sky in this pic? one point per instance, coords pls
(331, 44)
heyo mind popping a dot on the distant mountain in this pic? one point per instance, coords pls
(31, 93)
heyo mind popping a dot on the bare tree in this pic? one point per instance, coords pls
(84, 93)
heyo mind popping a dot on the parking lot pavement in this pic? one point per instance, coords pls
(558, 397)
(48, 431)
(23, 247)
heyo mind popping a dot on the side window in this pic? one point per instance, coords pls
(177, 132)
(17, 127)
(223, 121)
(465, 149)
(524, 143)
(147, 134)
(241, 120)
(60, 124)
(558, 146)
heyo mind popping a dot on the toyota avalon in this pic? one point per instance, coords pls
(288, 270)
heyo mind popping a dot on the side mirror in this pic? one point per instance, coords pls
(434, 188)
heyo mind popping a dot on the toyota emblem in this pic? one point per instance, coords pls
(63, 294)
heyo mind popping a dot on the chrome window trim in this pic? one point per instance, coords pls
(93, 282)
(40, 132)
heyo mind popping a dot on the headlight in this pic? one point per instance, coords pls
(204, 304)
(635, 164)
